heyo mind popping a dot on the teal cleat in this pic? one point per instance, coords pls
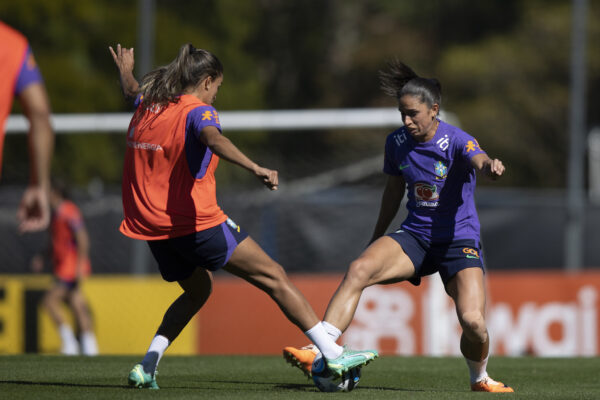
(350, 359)
(140, 379)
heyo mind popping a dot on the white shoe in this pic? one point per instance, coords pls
(89, 345)
(70, 348)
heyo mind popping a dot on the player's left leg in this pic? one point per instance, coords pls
(89, 345)
(467, 289)
(251, 263)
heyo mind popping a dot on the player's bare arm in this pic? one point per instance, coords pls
(83, 249)
(390, 203)
(492, 168)
(224, 148)
(34, 211)
(124, 60)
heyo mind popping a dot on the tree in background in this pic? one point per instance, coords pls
(504, 62)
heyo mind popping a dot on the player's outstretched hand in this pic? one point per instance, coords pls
(268, 177)
(496, 168)
(34, 210)
(123, 58)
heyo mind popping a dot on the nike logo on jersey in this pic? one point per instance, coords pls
(401, 167)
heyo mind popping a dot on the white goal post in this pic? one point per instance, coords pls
(336, 118)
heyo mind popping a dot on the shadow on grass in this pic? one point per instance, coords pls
(302, 387)
(60, 384)
(298, 387)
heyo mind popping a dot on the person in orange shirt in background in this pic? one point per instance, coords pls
(71, 264)
(22, 79)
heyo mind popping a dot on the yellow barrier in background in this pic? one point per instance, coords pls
(126, 311)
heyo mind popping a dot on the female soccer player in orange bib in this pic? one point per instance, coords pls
(174, 143)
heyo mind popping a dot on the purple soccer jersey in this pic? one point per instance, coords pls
(440, 182)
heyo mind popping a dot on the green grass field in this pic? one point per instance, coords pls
(269, 377)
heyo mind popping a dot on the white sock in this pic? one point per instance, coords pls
(155, 352)
(477, 369)
(89, 345)
(70, 346)
(319, 336)
(332, 331)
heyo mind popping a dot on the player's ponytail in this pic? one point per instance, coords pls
(399, 80)
(191, 66)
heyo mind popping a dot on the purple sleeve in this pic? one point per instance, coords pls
(29, 72)
(469, 147)
(138, 100)
(201, 117)
(75, 223)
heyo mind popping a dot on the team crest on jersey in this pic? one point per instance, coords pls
(441, 170)
(426, 195)
(233, 225)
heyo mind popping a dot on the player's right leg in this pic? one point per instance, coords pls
(383, 262)
(196, 290)
(251, 263)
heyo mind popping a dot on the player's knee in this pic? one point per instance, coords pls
(198, 294)
(473, 324)
(359, 273)
(274, 279)
(49, 300)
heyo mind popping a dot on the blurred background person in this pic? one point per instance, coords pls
(22, 79)
(70, 258)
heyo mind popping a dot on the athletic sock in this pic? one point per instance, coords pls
(89, 345)
(332, 331)
(319, 336)
(70, 346)
(477, 369)
(155, 352)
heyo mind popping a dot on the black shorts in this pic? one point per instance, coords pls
(445, 258)
(211, 249)
(70, 285)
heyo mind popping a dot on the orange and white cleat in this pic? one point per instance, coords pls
(301, 358)
(487, 384)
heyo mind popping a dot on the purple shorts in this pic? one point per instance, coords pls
(445, 258)
(211, 248)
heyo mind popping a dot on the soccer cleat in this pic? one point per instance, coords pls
(487, 384)
(301, 358)
(350, 359)
(140, 379)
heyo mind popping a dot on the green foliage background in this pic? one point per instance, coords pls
(503, 64)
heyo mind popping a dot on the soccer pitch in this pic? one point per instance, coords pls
(269, 377)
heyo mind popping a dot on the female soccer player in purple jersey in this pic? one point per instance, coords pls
(434, 163)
